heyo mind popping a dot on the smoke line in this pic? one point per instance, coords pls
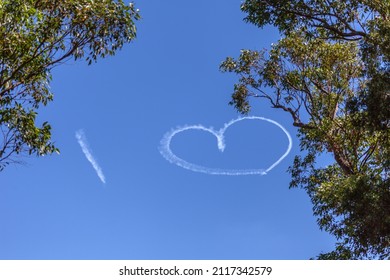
(166, 152)
(82, 140)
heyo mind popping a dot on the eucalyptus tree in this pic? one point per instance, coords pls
(35, 37)
(330, 73)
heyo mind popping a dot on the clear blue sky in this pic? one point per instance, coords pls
(56, 207)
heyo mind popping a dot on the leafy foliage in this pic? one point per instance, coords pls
(330, 72)
(37, 35)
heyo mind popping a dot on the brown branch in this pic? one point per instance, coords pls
(368, 154)
(341, 159)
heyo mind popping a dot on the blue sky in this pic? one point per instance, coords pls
(56, 207)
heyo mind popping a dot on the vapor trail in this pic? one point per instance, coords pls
(166, 152)
(82, 139)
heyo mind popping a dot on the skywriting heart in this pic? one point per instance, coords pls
(167, 153)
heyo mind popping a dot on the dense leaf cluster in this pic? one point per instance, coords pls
(330, 72)
(37, 35)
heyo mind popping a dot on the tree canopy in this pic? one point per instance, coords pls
(35, 37)
(330, 73)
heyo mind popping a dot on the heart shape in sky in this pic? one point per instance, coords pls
(165, 149)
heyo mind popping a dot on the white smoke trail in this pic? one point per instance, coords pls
(167, 153)
(82, 139)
